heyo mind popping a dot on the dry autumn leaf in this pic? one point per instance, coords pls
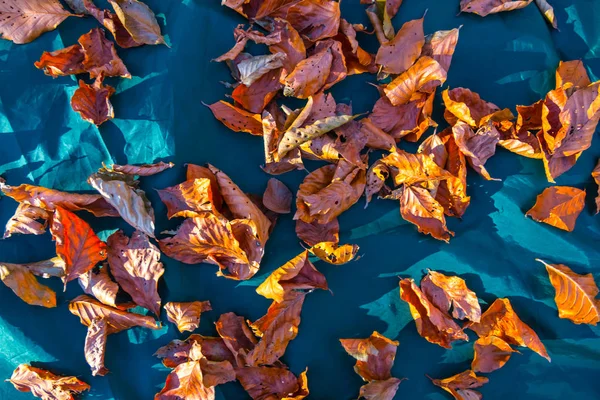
(432, 324)
(180, 351)
(20, 278)
(135, 265)
(186, 382)
(277, 197)
(461, 386)
(237, 119)
(186, 315)
(374, 356)
(491, 353)
(139, 20)
(142, 170)
(558, 206)
(440, 46)
(100, 285)
(92, 102)
(398, 54)
(111, 22)
(188, 199)
(418, 207)
(237, 336)
(426, 71)
(27, 220)
(380, 390)
(272, 383)
(548, 12)
(315, 19)
(451, 291)
(46, 385)
(76, 243)
(100, 56)
(309, 76)
(95, 346)
(500, 320)
(571, 72)
(31, 17)
(486, 7)
(62, 62)
(596, 176)
(478, 146)
(333, 253)
(313, 232)
(575, 295)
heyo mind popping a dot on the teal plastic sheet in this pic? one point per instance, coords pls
(508, 58)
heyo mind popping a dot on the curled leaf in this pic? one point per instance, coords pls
(461, 386)
(251, 69)
(32, 18)
(425, 71)
(180, 351)
(315, 19)
(486, 7)
(188, 199)
(186, 315)
(380, 390)
(314, 232)
(558, 206)
(186, 382)
(256, 96)
(467, 106)
(139, 20)
(100, 56)
(142, 170)
(100, 285)
(397, 55)
(95, 346)
(27, 220)
(21, 280)
(571, 72)
(374, 356)
(418, 207)
(46, 385)
(440, 46)
(333, 253)
(277, 197)
(92, 102)
(67, 61)
(491, 353)
(451, 291)
(237, 336)
(478, 146)
(309, 76)
(111, 22)
(575, 294)
(272, 383)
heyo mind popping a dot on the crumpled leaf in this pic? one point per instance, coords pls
(314, 232)
(374, 356)
(62, 62)
(21, 280)
(309, 76)
(111, 22)
(237, 336)
(558, 206)
(297, 274)
(548, 12)
(49, 199)
(486, 7)
(32, 17)
(418, 207)
(501, 320)
(398, 54)
(95, 346)
(315, 19)
(143, 169)
(92, 102)
(188, 199)
(236, 119)
(572, 72)
(87, 309)
(440, 46)
(377, 174)
(130, 201)
(410, 169)
(259, 94)
(491, 353)
(426, 71)
(290, 43)
(76, 244)
(277, 197)
(253, 68)
(467, 106)
(575, 295)
(199, 172)
(595, 175)
(273, 383)
(451, 291)
(335, 254)
(100, 56)
(180, 351)
(186, 315)
(380, 390)
(186, 382)
(44, 384)
(276, 329)
(432, 324)
(100, 285)
(461, 386)
(27, 220)
(135, 265)
(139, 20)
(478, 146)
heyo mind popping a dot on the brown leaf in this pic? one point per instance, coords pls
(100, 285)
(400, 121)
(338, 70)
(467, 106)
(135, 264)
(358, 60)
(95, 346)
(432, 324)
(199, 172)
(143, 169)
(139, 20)
(188, 199)
(45, 384)
(313, 232)
(87, 309)
(571, 72)
(237, 336)
(31, 17)
(315, 19)
(62, 62)
(335, 254)
(418, 207)
(461, 386)
(486, 7)
(186, 315)
(377, 138)
(237, 119)
(186, 382)
(272, 383)
(297, 274)
(92, 102)
(548, 12)
(491, 353)
(111, 22)
(256, 96)
(380, 390)
(451, 291)
(478, 146)
(595, 175)
(377, 174)
(558, 206)
(76, 244)
(501, 320)
(21, 280)
(291, 44)
(397, 55)
(309, 76)
(100, 56)
(424, 71)
(49, 199)
(276, 329)
(252, 68)
(374, 356)
(575, 294)
(27, 220)
(410, 169)
(180, 351)
(440, 46)
(277, 197)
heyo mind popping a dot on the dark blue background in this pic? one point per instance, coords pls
(508, 58)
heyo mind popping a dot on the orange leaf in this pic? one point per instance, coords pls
(315, 19)
(491, 353)
(418, 207)
(32, 18)
(297, 274)
(572, 72)
(467, 106)
(76, 244)
(397, 55)
(291, 44)
(112, 23)
(92, 102)
(376, 176)
(451, 291)
(575, 294)
(595, 175)
(237, 119)
(440, 46)
(198, 172)
(45, 384)
(410, 169)
(237, 336)
(95, 346)
(180, 351)
(333, 253)
(432, 324)
(558, 206)
(272, 383)
(309, 76)
(380, 390)
(461, 386)
(277, 197)
(27, 220)
(139, 21)
(186, 382)
(100, 55)
(374, 356)
(501, 320)
(186, 315)
(276, 329)
(87, 309)
(486, 7)
(256, 96)
(67, 61)
(478, 146)
(188, 199)
(100, 285)
(424, 71)
(21, 280)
